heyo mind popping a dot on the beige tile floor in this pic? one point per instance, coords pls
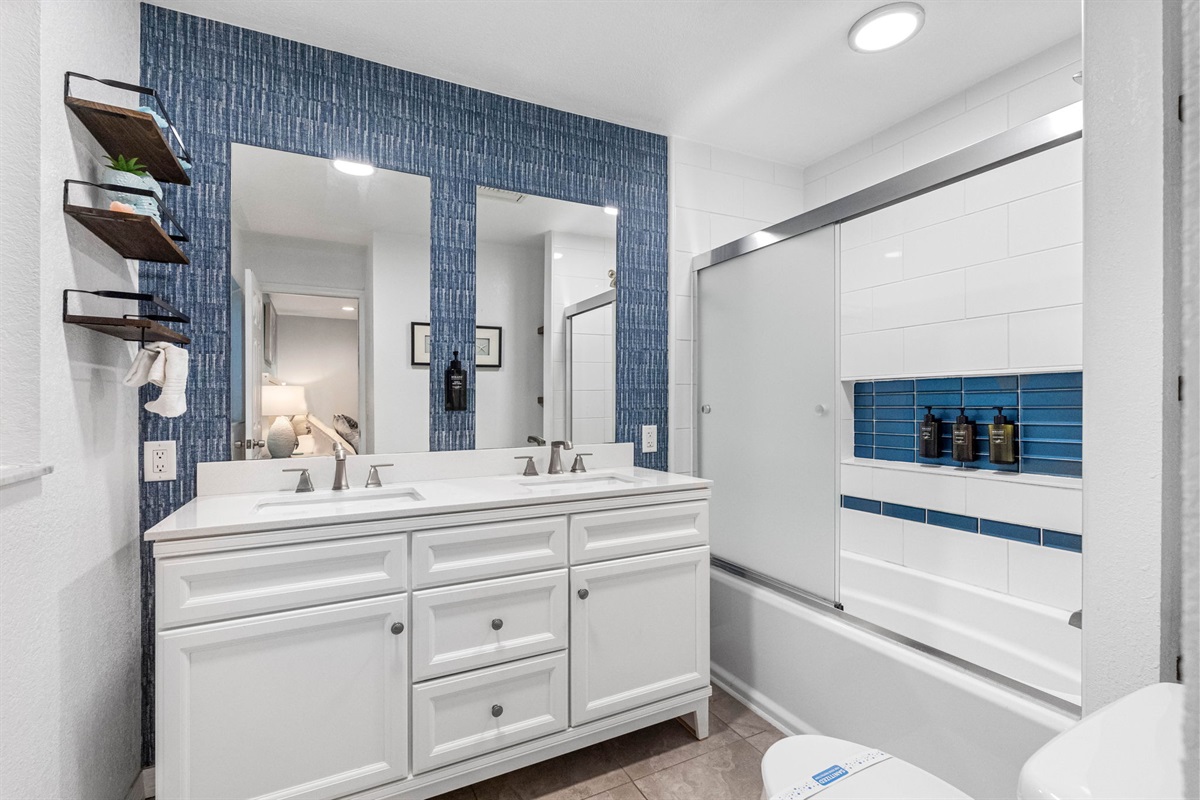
(662, 762)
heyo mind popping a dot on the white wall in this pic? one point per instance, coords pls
(508, 291)
(70, 652)
(716, 196)
(301, 263)
(322, 356)
(397, 392)
(1130, 356)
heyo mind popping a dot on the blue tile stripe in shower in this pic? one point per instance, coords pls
(1046, 407)
(959, 522)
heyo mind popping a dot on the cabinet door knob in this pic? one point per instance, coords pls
(397, 628)
(583, 594)
(497, 624)
(497, 710)
(706, 409)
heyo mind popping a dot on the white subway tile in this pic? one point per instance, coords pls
(920, 122)
(937, 206)
(1039, 173)
(873, 264)
(683, 362)
(1046, 220)
(858, 481)
(839, 160)
(789, 176)
(739, 164)
(1052, 337)
(814, 194)
(967, 557)
(1046, 94)
(966, 129)
(771, 201)
(1045, 575)
(587, 430)
(973, 239)
(856, 311)
(1057, 508)
(681, 273)
(681, 449)
(682, 309)
(691, 232)
(868, 354)
(873, 535)
(685, 151)
(705, 190)
(934, 488)
(1044, 279)
(856, 232)
(1045, 62)
(868, 172)
(685, 412)
(920, 301)
(951, 348)
(727, 229)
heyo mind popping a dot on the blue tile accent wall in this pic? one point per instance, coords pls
(1047, 408)
(959, 522)
(224, 84)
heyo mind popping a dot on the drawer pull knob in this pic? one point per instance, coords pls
(397, 628)
(497, 624)
(583, 594)
(497, 710)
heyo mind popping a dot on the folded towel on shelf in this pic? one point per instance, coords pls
(172, 402)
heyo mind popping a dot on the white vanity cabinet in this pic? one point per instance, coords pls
(404, 658)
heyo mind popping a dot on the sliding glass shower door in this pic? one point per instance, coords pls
(766, 390)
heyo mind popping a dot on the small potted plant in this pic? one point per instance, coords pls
(121, 171)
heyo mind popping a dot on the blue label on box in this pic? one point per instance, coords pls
(828, 776)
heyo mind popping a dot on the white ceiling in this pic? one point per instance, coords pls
(772, 78)
(526, 222)
(311, 305)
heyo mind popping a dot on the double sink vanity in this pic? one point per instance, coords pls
(405, 640)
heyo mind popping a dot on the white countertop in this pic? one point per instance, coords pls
(252, 512)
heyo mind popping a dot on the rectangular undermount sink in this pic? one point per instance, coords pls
(561, 484)
(349, 500)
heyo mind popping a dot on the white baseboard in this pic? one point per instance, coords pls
(760, 704)
(143, 786)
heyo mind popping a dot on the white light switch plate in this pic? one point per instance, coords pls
(158, 461)
(649, 438)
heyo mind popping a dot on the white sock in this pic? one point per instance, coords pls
(173, 400)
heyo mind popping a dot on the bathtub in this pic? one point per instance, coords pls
(809, 670)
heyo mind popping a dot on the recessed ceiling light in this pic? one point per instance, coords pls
(612, 211)
(886, 27)
(347, 308)
(355, 168)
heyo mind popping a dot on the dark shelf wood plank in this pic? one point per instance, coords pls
(133, 134)
(131, 330)
(132, 235)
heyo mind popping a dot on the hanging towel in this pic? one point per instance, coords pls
(143, 362)
(173, 400)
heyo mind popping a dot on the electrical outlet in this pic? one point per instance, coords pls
(158, 461)
(649, 438)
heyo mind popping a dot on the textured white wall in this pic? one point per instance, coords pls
(1129, 358)
(322, 356)
(70, 651)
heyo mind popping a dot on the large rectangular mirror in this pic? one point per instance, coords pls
(535, 259)
(330, 266)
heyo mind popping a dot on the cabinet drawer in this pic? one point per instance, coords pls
(456, 555)
(468, 715)
(192, 589)
(631, 532)
(459, 628)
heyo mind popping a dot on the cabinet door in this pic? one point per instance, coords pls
(306, 704)
(639, 631)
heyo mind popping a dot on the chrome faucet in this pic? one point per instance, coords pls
(556, 449)
(534, 439)
(340, 481)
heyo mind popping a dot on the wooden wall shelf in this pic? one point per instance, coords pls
(134, 236)
(131, 330)
(133, 134)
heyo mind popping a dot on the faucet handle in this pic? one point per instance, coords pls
(305, 484)
(530, 468)
(579, 466)
(373, 481)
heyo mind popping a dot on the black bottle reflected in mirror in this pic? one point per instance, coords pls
(456, 385)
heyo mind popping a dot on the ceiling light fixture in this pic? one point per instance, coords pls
(612, 211)
(355, 168)
(886, 27)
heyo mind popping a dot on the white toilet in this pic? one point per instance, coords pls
(1131, 748)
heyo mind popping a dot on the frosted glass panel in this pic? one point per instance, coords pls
(766, 339)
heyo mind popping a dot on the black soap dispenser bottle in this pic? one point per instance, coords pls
(1002, 439)
(962, 438)
(456, 385)
(931, 435)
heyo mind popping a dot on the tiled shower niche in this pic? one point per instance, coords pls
(1047, 409)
